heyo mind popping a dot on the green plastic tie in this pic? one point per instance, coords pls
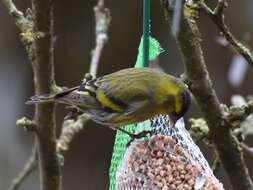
(146, 30)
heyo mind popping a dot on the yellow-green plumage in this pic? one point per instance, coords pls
(128, 96)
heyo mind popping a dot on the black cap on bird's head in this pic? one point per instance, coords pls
(186, 102)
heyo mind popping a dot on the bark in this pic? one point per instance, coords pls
(43, 69)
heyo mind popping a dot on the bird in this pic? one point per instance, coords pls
(127, 96)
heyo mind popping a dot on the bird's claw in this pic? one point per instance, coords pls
(138, 136)
(74, 112)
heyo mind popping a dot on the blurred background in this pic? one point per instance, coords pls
(87, 163)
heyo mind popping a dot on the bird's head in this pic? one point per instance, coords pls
(185, 102)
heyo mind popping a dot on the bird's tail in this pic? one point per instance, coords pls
(48, 98)
(41, 99)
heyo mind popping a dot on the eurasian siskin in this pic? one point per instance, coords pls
(125, 97)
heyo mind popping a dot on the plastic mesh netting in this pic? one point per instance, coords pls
(169, 159)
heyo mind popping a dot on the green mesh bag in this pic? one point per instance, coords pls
(122, 139)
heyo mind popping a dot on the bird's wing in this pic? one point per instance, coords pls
(123, 93)
(127, 91)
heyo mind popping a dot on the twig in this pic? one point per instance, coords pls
(200, 132)
(218, 18)
(216, 163)
(29, 167)
(70, 129)
(20, 20)
(176, 18)
(102, 18)
(25, 24)
(225, 142)
(28, 125)
(247, 150)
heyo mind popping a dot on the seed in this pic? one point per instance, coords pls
(165, 187)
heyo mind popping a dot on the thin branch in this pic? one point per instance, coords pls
(20, 20)
(247, 150)
(200, 132)
(218, 18)
(29, 167)
(225, 142)
(23, 23)
(71, 127)
(28, 125)
(102, 18)
(176, 18)
(216, 163)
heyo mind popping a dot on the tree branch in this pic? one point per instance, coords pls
(43, 69)
(37, 36)
(27, 124)
(218, 18)
(24, 24)
(20, 20)
(71, 127)
(102, 19)
(216, 163)
(29, 167)
(227, 145)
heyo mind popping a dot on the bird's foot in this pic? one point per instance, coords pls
(74, 112)
(138, 136)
